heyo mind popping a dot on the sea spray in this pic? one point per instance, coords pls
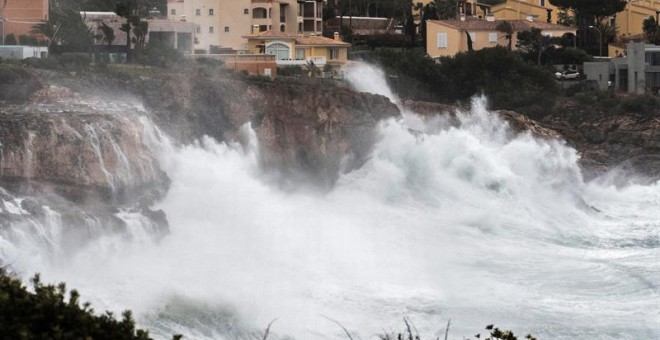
(471, 223)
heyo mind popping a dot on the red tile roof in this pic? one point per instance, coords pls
(485, 25)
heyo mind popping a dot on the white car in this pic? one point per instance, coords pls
(570, 74)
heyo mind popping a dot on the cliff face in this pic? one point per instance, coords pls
(79, 152)
(605, 141)
(311, 132)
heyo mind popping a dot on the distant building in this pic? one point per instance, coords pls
(221, 24)
(636, 71)
(293, 49)
(22, 52)
(449, 37)
(363, 25)
(175, 34)
(20, 15)
(630, 21)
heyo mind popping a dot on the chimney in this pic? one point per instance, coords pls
(530, 17)
(490, 17)
(462, 17)
(255, 29)
(336, 36)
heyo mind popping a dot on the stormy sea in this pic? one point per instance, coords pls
(464, 222)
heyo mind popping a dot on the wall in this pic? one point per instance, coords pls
(519, 9)
(455, 42)
(629, 22)
(26, 12)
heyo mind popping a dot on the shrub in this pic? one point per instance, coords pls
(49, 63)
(12, 75)
(158, 54)
(642, 104)
(289, 70)
(75, 61)
(48, 312)
(10, 39)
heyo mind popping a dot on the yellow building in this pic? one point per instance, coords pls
(521, 9)
(294, 49)
(449, 37)
(629, 21)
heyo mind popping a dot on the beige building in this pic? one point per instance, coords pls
(522, 9)
(292, 49)
(449, 37)
(222, 24)
(18, 16)
(629, 22)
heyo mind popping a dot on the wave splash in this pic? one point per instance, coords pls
(469, 223)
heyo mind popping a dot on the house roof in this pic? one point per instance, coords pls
(485, 25)
(312, 40)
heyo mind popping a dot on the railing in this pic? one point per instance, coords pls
(235, 57)
(318, 61)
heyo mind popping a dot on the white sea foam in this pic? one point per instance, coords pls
(468, 223)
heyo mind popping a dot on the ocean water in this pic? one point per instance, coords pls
(470, 223)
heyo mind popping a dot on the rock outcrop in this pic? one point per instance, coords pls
(630, 141)
(60, 144)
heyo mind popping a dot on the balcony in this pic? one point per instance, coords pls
(318, 61)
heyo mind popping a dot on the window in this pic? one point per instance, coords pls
(198, 12)
(334, 54)
(280, 51)
(473, 36)
(173, 11)
(226, 28)
(282, 28)
(300, 53)
(210, 29)
(259, 13)
(198, 29)
(442, 40)
(211, 11)
(492, 37)
(246, 11)
(542, 3)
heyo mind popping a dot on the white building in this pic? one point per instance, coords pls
(22, 52)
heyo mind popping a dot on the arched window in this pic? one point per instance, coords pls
(259, 13)
(282, 28)
(280, 51)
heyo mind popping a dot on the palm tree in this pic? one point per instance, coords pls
(508, 29)
(108, 33)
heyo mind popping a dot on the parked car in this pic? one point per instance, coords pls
(570, 74)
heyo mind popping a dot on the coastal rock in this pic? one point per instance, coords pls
(77, 155)
(630, 141)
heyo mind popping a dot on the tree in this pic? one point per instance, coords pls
(409, 26)
(133, 11)
(429, 12)
(447, 9)
(508, 29)
(10, 39)
(589, 12)
(108, 33)
(651, 31)
(591, 9)
(533, 43)
(48, 312)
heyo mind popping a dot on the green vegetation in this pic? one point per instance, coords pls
(13, 75)
(46, 311)
(502, 75)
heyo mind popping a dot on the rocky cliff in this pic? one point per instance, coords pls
(626, 140)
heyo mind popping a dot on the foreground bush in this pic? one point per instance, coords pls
(46, 312)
